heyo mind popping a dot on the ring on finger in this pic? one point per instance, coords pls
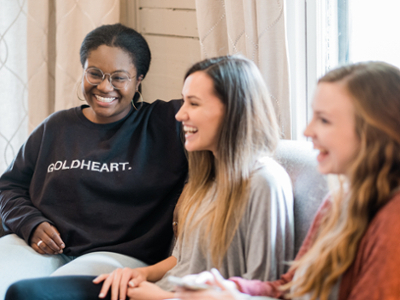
(39, 243)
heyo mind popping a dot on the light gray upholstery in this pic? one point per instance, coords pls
(309, 186)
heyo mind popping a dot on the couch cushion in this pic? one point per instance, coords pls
(309, 186)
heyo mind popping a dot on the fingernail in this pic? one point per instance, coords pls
(62, 245)
(101, 295)
(131, 284)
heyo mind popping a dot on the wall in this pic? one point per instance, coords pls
(170, 28)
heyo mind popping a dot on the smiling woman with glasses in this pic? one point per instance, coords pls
(94, 187)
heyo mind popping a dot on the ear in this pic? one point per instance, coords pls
(139, 81)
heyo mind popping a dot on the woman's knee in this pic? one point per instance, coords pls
(20, 290)
(55, 288)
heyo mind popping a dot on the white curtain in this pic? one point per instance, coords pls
(255, 29)
(13, 79)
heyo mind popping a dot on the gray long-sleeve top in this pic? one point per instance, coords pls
(264, 241)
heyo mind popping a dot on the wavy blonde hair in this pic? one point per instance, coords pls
(249, 130)
(373, 176)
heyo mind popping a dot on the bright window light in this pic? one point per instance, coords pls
(373, 27)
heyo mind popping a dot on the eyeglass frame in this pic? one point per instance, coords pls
(109, 77)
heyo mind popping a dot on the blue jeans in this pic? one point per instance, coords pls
(55, 288)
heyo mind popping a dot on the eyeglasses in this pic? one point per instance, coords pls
(118, 79)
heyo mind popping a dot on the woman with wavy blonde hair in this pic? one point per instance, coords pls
(352, 250)
(237, 201)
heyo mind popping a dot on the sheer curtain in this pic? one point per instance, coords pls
(256, 29)
(13, 79)
(40, 68)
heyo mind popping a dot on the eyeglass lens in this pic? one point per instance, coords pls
(118, 79)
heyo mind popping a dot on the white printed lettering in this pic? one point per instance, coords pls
(85, 165)
(89, 165)
(95, 166)
(104, 167)
(64, 167)
(58, 165)
(50, 168)
(114, 166)
(75, 164)
(123, 165)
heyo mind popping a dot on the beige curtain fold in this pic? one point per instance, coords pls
(56, 29)
(255, 29)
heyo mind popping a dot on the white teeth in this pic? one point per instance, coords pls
(189, 129)
(102, 99)
(322, 151)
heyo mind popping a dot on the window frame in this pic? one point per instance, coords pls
(312, 39)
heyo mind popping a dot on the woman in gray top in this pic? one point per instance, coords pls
(238, 200)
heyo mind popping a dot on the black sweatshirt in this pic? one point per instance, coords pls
(105, 187)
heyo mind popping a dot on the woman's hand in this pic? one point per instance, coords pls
(119, 280)
(148, 291)
(210, 294)
(46, 239)
(220, 289)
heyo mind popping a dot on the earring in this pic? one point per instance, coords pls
(133, 104)
(83, 100)
(77, 91)
(140, 100)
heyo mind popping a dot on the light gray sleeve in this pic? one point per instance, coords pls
(176, 250)
(269, 231)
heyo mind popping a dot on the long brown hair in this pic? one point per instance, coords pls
(374, 174)
(249, 129)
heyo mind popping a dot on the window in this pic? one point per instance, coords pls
(323, 34)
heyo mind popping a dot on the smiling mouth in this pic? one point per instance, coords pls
(323, 152)
(189, 130)
(104, 99)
